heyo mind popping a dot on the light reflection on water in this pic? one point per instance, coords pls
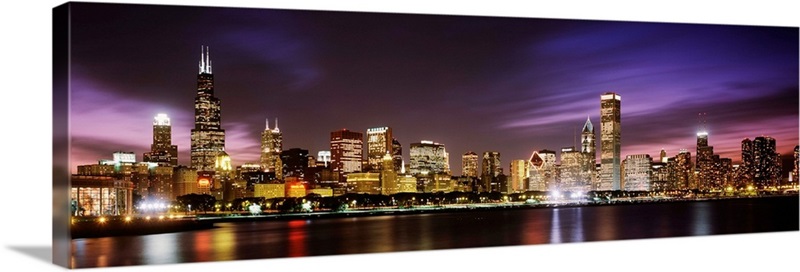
(290, 238)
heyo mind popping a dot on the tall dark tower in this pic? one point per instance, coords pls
(766, 163)
(162, 151)
(704, 162)
(610, 113)
(208, 137)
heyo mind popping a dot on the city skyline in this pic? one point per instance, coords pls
(664, 119)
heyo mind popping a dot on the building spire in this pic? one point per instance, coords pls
(276, 123)
(267, 122)
(205, 61)
(587, 127)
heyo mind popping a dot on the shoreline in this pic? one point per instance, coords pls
(134, 226)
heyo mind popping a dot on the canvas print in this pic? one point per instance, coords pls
(198, 134)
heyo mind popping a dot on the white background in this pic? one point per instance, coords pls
(25, 151)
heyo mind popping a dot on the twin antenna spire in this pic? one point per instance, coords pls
(205, 61)
(276, 123)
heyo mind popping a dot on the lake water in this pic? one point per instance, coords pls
(293, 238)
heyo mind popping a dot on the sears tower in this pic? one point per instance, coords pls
(208, 137)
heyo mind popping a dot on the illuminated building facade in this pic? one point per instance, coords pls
(100, 195)
(208, 137)
(519, 175)
(162, 151)
(682, 171)
(388, 176)
(364, 183)
(379, 142)
(324, 158)
(766, 166)
(469, 164)
(542, 171)
(796, 168)
(747, 167)
(223, 177)
(271, 148)
(184, 181)
(659, 177)
(490, 169)
(610, 108)
(576, 170)
(427, 157)
(269, 190)
(346, 152)
(638, 170)
(440, 183)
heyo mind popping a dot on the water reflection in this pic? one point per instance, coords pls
(555, 228)
(274, 239)
(157, 249)
(700, 222)
(297, 238)
(577, 226)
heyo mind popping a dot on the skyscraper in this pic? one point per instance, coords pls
(519, 175)
(746, 169)
(162, 151)
(208, 137)
(427, 157)
(704, 163)
(588, 139)
(346, 152)
(767, 168)
(388, 176)
(469, 164)
(379, 142)
(397, 155)
(610, 107)
(490, 169)
(796, 167)
(637, 172)
(271, 148)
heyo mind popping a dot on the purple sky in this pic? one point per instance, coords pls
(511, 85)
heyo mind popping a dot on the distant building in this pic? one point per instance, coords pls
(162, 151)
(271, 148)
(428, 158)
(576, 170)
(638, 172)
(796, 168)
(490, 169)
(610, 127)
(100, 195)
(324, 158)
(208, 137)
(440, 183)
(389, 184)
(346, 152)
(271, 190)
(519, 175)
(397, 155)
(379, 142)
(295, 162)
(542, 174)
(682, 170)
(184, 182)
(364, 183)
(767, 170)
(746, 169)
(469, 164)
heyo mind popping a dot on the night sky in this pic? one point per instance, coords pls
(512, 85)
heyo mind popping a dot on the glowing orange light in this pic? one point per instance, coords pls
(102, 219)
(204, 182)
